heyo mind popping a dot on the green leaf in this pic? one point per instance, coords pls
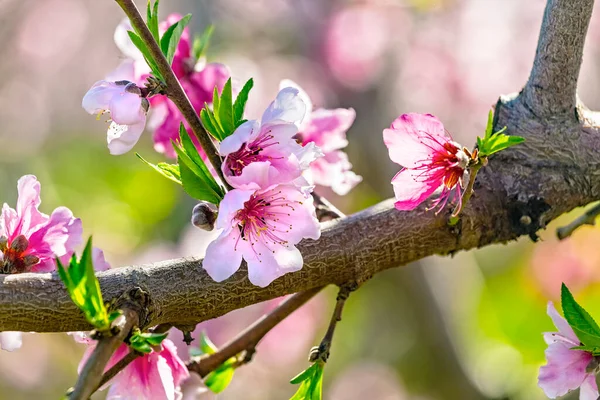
(311, 383)
(193, 185)
(210, 123)
(84, 289)
(499, 142)
(170, 39)
(490, 126)
(169, 171)
(220, 378)
(201, 42)
(582, 323)
(152, 19)
(144, 342)
(240, 102)
(139, 43)
(192, 152)
(206, 345)
(225, 111)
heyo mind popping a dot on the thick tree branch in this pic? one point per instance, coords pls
(91, 374)
(518, 193)
(552, 85)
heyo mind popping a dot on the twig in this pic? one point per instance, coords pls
(588, 218)
(325, 210)
(174, 90)
(321, 352)
(91, 374)
(118, 367)
(247, 340)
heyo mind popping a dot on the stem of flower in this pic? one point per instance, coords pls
(453, 220)
(174, 90)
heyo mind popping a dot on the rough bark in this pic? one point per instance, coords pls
(518, 193)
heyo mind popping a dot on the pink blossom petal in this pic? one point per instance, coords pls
(10, 341)
(126, 109)
(256, 175)
(97, 99)
(561, 324)
(122, 138)
(236, 140)
(287, 107)
(210, 75)
(28, 202)
(100, 263)
(48, 265)
(9, 221)
(223, 257)
(410, 190)
(589, 389)
(179, 371)
(123, 41)
(301, 93)
(124, 72)
(565, 370)
(232, 202)
(413, 138)
(327, 128)
(334, 170)
(272, 264)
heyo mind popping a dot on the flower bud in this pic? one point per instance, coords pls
(204, 216)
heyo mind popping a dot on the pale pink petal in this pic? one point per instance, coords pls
(178, 368)
(287, 107)
(256, 175)
(561, 324)
(308, 154)
(223, 256)
(10, 341)
(413, 138)
(28, 202)
(48, 265)
(327, 128)
(123, 41)
(9, 222)
(240, 136)
(124, 72)
(232, 202)
(565, 370)
(302, 218)
(61, 234)
(334, 170)
(97, 99)
(81, 337)
(122, 138)
(100, 263)
(126, 109)
(410, 190)
(302, 94)
(589, 389)
(269, 266)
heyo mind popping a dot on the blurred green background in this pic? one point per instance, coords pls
(466, 327)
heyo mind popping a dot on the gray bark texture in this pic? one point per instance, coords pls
(518, 193)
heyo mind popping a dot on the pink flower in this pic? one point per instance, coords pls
(327, 130)
(566, 369)
(265, 153)
(430, 158)
(262, 227)
(127, 107)
(156, 376)
(197, 78)
(30, 240)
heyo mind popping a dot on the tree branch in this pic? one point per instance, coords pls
(552, 85)
(91, 374)
(249, 338)
(174, 89)
(588, 218)
(518, 193)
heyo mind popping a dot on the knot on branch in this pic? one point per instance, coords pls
(527, 218)
(136, 300)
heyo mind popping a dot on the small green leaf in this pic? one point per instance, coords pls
(499, 142)
(144, 342)
(311, 383)
(152, 19)
(201, 42)
(193, 185)
(210, 124)
(220, 378)
(84, 289)
(226, 109)
(490, 125)
(582, 323)
(216, 103)
(169, 171)
(240, 102)
(206, 345)
(139, 43)
(170, 39)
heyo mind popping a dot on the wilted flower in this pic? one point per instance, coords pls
(327, 130)
(265, 153)
(420, 144)
(127, 108)
(156, 376)
(567, 369)
(262, 227)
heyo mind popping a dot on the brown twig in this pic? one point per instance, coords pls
(174, 90)
(91, 374)
(588, 218)
(247, 340)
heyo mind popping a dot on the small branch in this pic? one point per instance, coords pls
(91, 375)
(325, 210)
(552, 85)
(174, 90)
(247, 340)
(118, 367)
(321, 352)
(588, 218)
